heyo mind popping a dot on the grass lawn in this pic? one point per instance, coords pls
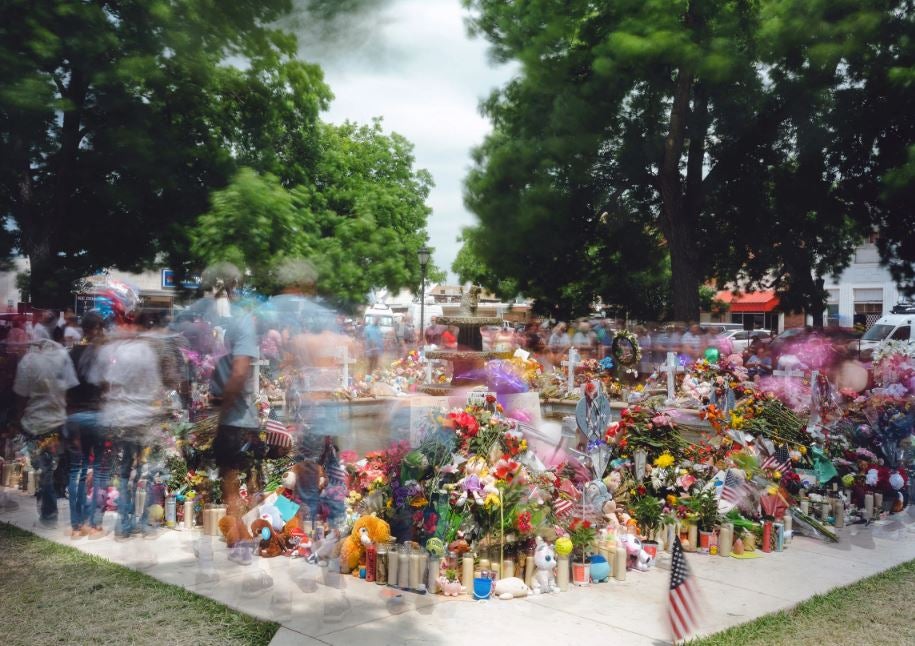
(876, 610)
(51, 594)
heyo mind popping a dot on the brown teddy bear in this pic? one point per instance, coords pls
(233, 530)
(366, 530)
(270, 543)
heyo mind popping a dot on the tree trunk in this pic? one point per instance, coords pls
(677, 221)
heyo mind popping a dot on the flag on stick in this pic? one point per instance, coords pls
(683, 612)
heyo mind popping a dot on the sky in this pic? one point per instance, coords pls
(412, 63)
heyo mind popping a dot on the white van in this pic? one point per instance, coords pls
(898, 326)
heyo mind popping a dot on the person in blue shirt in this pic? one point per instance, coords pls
(374, 343)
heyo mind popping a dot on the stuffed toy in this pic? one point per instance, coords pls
(545, 562)
(298, 543)
(476, 482)
(234, 530)
(459, 545)
(511, 588)
(270, 543)
(366, 530)
(270, 513)
(638, 558)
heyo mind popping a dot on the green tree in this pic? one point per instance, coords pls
(359, 217)
(723, 126)
(117, 119)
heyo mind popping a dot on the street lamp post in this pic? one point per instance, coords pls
(423, 254)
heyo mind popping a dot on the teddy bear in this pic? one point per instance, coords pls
(366, 530)
(545, 562)
(476, 482)
(270, 543)
(638, 558)
(234, 530)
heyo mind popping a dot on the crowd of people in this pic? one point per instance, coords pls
(86, 398)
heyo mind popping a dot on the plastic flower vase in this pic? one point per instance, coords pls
(705, 540)
(581, 573)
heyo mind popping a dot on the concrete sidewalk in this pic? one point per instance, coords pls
(316, 607)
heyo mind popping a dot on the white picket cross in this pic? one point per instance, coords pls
(671, 367)
(570, 364)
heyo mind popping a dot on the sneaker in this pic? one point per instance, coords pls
(240, 554)
(76, 534)
(95, 533)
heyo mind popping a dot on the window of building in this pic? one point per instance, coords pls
(832, 315)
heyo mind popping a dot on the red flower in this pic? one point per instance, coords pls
(642, 490)
(490, 399)
(523, 523)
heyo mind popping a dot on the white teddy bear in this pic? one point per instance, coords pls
(633, 546)
(545, 562)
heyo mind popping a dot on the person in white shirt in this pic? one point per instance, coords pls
(43, 377)
(73, 334)
(127, 369)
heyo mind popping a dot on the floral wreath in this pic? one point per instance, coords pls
(625, 335)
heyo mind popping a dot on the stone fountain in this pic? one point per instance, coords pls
(469, 359)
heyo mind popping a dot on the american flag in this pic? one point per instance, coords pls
(735, 488)
(562, 507)
(683, 613)
(779, 461)
(336, 472)
(277, 434)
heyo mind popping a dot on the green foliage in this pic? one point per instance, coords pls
(756, 140)
(127, 121)
(360, 218)
(647, 512)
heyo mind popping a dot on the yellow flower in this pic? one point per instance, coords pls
(672, 500)
(664, 460)
(772, 490)
(777, 475)
(492, 500)
(802, 449)
(736, 421)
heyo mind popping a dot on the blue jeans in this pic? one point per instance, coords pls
(85, 441)
(44, 452)
(128, 522)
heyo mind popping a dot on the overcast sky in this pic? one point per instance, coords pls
(412, 63)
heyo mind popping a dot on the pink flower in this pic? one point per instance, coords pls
(662, 420)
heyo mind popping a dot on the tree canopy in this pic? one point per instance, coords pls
(119, 119)
(360, 219)
(747, 141)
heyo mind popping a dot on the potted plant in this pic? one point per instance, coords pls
(704, 507)
(647, 512)
(582, 534)
(449, 583)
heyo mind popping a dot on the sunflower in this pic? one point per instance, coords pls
(664, 460)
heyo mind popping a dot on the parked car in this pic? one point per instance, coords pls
(741, 339)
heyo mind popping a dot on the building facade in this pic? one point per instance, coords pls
(863, 293)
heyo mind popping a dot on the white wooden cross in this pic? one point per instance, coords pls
(344, 361)
(671, 367)
(813, 423)
(573, 361)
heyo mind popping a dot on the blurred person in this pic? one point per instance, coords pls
(45, 324)
(86, 439)
(691, 341)
(73, 333)
(759, 363)
(127, 369)
(604, 335)
(559, 342)
(232, 386)
(374, 343)
(645, 345)
(409, 332)
(584, 340)
(43, 377)
(449, 338)
(533, 338)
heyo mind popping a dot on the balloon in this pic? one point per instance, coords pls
(265, 534)
(712, 355)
